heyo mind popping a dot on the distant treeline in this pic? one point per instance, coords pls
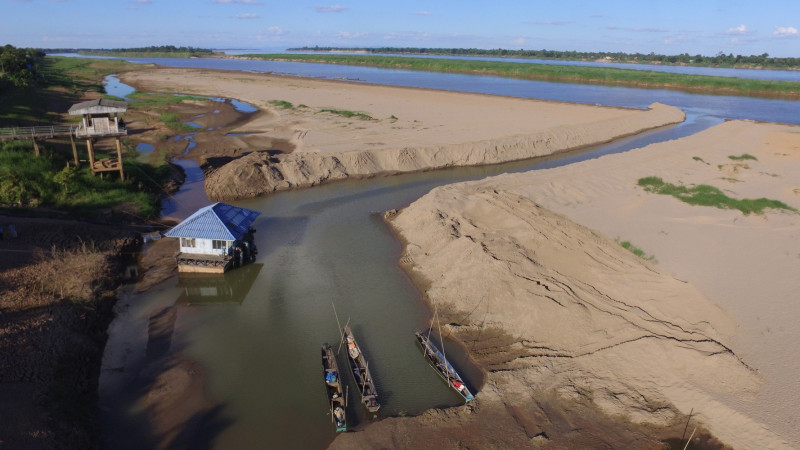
(148, 51)
(720, 59)
(19, 67)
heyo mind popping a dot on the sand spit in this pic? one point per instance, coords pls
(389, 129)
(709, 327)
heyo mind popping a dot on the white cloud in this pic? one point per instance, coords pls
(518, 41)
(785, 32)
(741, 29)
(275, 31)
(352, 35)
(247, 16)
(327, 9)
(422, 13)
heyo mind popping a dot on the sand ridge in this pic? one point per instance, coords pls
(394, 129)
(643, 340)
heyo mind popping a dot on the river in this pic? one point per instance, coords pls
(257, 333)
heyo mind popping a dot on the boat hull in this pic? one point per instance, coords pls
(442, 366)
(333, 385)
(359, 368)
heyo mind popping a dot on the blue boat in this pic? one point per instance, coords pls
(442, 366)
(333, 384)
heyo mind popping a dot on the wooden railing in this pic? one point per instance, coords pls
(53, 131)
(35, 132)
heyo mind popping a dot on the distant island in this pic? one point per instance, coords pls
(609, 76)
(155, 51)
(762, 61)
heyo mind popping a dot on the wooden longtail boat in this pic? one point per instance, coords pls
(360, 370)
(333, 384)
(442, 366)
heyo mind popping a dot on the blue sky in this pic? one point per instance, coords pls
(668, 27)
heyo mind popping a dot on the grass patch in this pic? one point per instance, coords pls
(281, 104)
(705, 195)
(348, 114)
(742, 157)
(149, 100)
(699, 159)
(30, 181)
(637, 251)
(172, 121)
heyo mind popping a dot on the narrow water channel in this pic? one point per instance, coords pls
(256, 333)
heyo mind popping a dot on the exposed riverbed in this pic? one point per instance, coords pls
(255, 335)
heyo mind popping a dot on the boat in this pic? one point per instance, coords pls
(333, 384)
(360, 370)
(442, 366)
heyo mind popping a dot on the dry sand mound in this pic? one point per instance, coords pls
(587, 319)
(258, 173)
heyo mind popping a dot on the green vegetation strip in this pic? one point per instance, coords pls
(348, 114)
(637, 251)
(560, 73)
(281, 104)
(762, 61)
(705, 195)
(162, 51)
(743, 157)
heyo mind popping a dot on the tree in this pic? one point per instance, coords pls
(18, 65)
(65, 177)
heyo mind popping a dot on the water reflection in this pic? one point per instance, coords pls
(229, 288)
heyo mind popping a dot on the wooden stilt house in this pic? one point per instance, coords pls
(101, 120)
(215, 239)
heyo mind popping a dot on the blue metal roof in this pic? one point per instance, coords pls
(217, 221)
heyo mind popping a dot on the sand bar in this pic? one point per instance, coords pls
(393, 130)
(593, 320)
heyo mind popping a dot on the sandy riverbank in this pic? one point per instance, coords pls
(576, 332)
(709, 327)
(395, 129)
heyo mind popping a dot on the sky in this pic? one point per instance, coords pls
(705, 27)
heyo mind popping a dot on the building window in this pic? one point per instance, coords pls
(187, 242)
(217, 244)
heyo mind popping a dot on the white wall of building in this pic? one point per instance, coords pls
(203, 246)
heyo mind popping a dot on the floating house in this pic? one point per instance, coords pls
(215, 239)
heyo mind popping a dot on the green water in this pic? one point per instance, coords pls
(258, 332)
